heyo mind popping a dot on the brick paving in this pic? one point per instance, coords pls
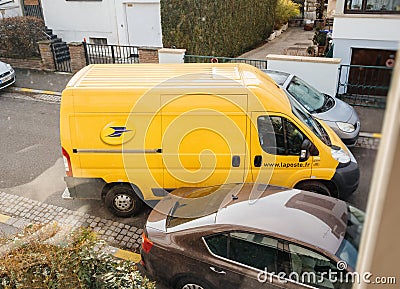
(368, 142)
(24, 211)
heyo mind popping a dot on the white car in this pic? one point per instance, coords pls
(7, 75)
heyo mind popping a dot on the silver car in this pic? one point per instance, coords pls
(340, 116)
(7, 75)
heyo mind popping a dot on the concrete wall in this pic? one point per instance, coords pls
(320, 72)
(124, 22)
(168, 55)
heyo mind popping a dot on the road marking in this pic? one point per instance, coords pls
(23, 89)
(370, 134)
(24, 150)
(4, 218)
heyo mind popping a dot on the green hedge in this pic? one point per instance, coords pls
(216, 27)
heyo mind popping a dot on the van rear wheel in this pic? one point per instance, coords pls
(315, 187)
(122, 201)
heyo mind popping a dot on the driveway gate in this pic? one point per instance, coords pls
(364, 85)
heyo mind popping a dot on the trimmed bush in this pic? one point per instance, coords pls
(80, 263)
(19, 36)
(218, 28)
(285, 10)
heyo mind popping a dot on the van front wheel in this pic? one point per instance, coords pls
(122, 201)
(315, 187)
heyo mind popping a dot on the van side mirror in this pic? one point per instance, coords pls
(307, 149)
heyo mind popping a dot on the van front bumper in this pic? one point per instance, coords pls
(347, 179)
(83, 188)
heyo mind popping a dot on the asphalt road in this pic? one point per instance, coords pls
(31, 163)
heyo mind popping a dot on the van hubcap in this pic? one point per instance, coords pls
(123, 202)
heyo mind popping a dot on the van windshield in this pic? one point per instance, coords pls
(311, 123)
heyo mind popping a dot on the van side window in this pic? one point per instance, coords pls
(279, 136)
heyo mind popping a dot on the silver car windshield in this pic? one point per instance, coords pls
(308, 96)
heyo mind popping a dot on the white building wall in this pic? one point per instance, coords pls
(76, 20)
(12, 9)
(111, 19)
(375, 31)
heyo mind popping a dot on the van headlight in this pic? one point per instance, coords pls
(340, 155)
(346, 127)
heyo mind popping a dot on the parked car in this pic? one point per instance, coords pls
(234, 235)
(340, 116)
(7, 75)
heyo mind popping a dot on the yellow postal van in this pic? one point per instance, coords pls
(135, 132)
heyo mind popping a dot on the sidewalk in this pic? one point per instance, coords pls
(41, 80)
(294, 41)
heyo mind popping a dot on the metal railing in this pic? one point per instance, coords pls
(105, 53)
(262, 64)
(364, 85)
(34, 11)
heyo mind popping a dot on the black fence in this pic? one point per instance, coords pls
(104, 53)
(33, 10)
(61, 56)
(364, 85)
(262, 64)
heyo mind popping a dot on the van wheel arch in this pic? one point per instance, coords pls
(114, 193)
(322, 187)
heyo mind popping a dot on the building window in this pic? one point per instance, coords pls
(373, 6)
(98, 41)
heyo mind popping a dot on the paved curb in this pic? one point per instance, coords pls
(18, 212)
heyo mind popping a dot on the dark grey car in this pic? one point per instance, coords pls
(251, 236)
(340, 116)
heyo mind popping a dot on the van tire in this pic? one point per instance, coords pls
(122, 201)
(315, 187)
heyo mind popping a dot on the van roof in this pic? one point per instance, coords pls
(231, 79)
(150, 75)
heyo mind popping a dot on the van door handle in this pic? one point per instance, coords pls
(218, 271)
(257, 161)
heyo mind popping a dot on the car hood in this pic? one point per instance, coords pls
(341, 111)
(3, 67)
